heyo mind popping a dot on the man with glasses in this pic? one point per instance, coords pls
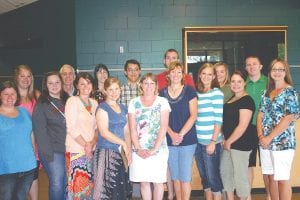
(130, 90)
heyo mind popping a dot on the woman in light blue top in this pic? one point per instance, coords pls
(17, 155)
(111, 176)
(208, 128)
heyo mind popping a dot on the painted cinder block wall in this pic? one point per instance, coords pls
(146, 28)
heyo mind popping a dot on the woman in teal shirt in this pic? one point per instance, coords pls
(17, 155)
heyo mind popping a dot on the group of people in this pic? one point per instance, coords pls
(95, 137)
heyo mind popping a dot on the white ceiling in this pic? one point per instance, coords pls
(8, 5)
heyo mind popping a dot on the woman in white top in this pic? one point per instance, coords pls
(148, 121)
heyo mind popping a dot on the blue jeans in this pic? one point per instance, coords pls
(56, 172)
(209, 168)
(181, 161)
(15, 186)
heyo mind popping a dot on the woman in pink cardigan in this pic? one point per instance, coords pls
(81, 139)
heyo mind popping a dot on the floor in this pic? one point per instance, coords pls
(43, 191)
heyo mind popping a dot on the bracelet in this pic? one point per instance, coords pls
(135, 150)
(213, 140)
(260, 136)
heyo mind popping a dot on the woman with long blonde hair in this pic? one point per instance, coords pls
(28, 99)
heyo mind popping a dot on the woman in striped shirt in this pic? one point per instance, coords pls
(208, 128)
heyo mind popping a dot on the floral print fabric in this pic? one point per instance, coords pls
(285, 103)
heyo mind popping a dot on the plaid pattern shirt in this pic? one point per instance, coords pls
(128, 92)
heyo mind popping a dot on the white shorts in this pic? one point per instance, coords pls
(277, 163)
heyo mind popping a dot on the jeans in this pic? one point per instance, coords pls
(181, 161)
(209, 168)
(15, 186)
(56, 172)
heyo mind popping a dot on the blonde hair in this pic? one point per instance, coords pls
(31, 93)
(110, 80)
(227, 78)
(145, 77)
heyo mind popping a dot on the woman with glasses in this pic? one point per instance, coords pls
(276, 129)
(148, 121)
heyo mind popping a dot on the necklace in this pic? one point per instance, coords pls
(88, 106)
(175, 91)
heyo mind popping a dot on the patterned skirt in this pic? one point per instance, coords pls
(111, 179)
(80, 176)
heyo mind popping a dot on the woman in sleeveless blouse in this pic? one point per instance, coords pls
(111, 175)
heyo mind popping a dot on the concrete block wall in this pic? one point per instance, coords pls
(146, 28)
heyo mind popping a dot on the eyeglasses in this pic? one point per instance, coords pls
(149, 83)
(133, 70)
(278, 70)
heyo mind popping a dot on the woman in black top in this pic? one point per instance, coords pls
(239, 134)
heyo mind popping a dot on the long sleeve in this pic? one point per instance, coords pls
(43, 140)
(79, 122)
(71, 114)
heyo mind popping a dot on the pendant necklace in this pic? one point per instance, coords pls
(88, 106)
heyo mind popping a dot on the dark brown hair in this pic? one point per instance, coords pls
(86, 76)
(9, 84)
(45, 92)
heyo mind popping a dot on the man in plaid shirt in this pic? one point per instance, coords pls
(130, 90)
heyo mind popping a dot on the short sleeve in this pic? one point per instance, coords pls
(189, 81)
(191, 92)
(262, 107)
(292, 103)
(164, 104)
(131, 107)
(247, 103)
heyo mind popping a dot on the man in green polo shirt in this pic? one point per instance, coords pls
(255, 85)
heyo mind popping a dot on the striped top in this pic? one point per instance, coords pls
(210, 113)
